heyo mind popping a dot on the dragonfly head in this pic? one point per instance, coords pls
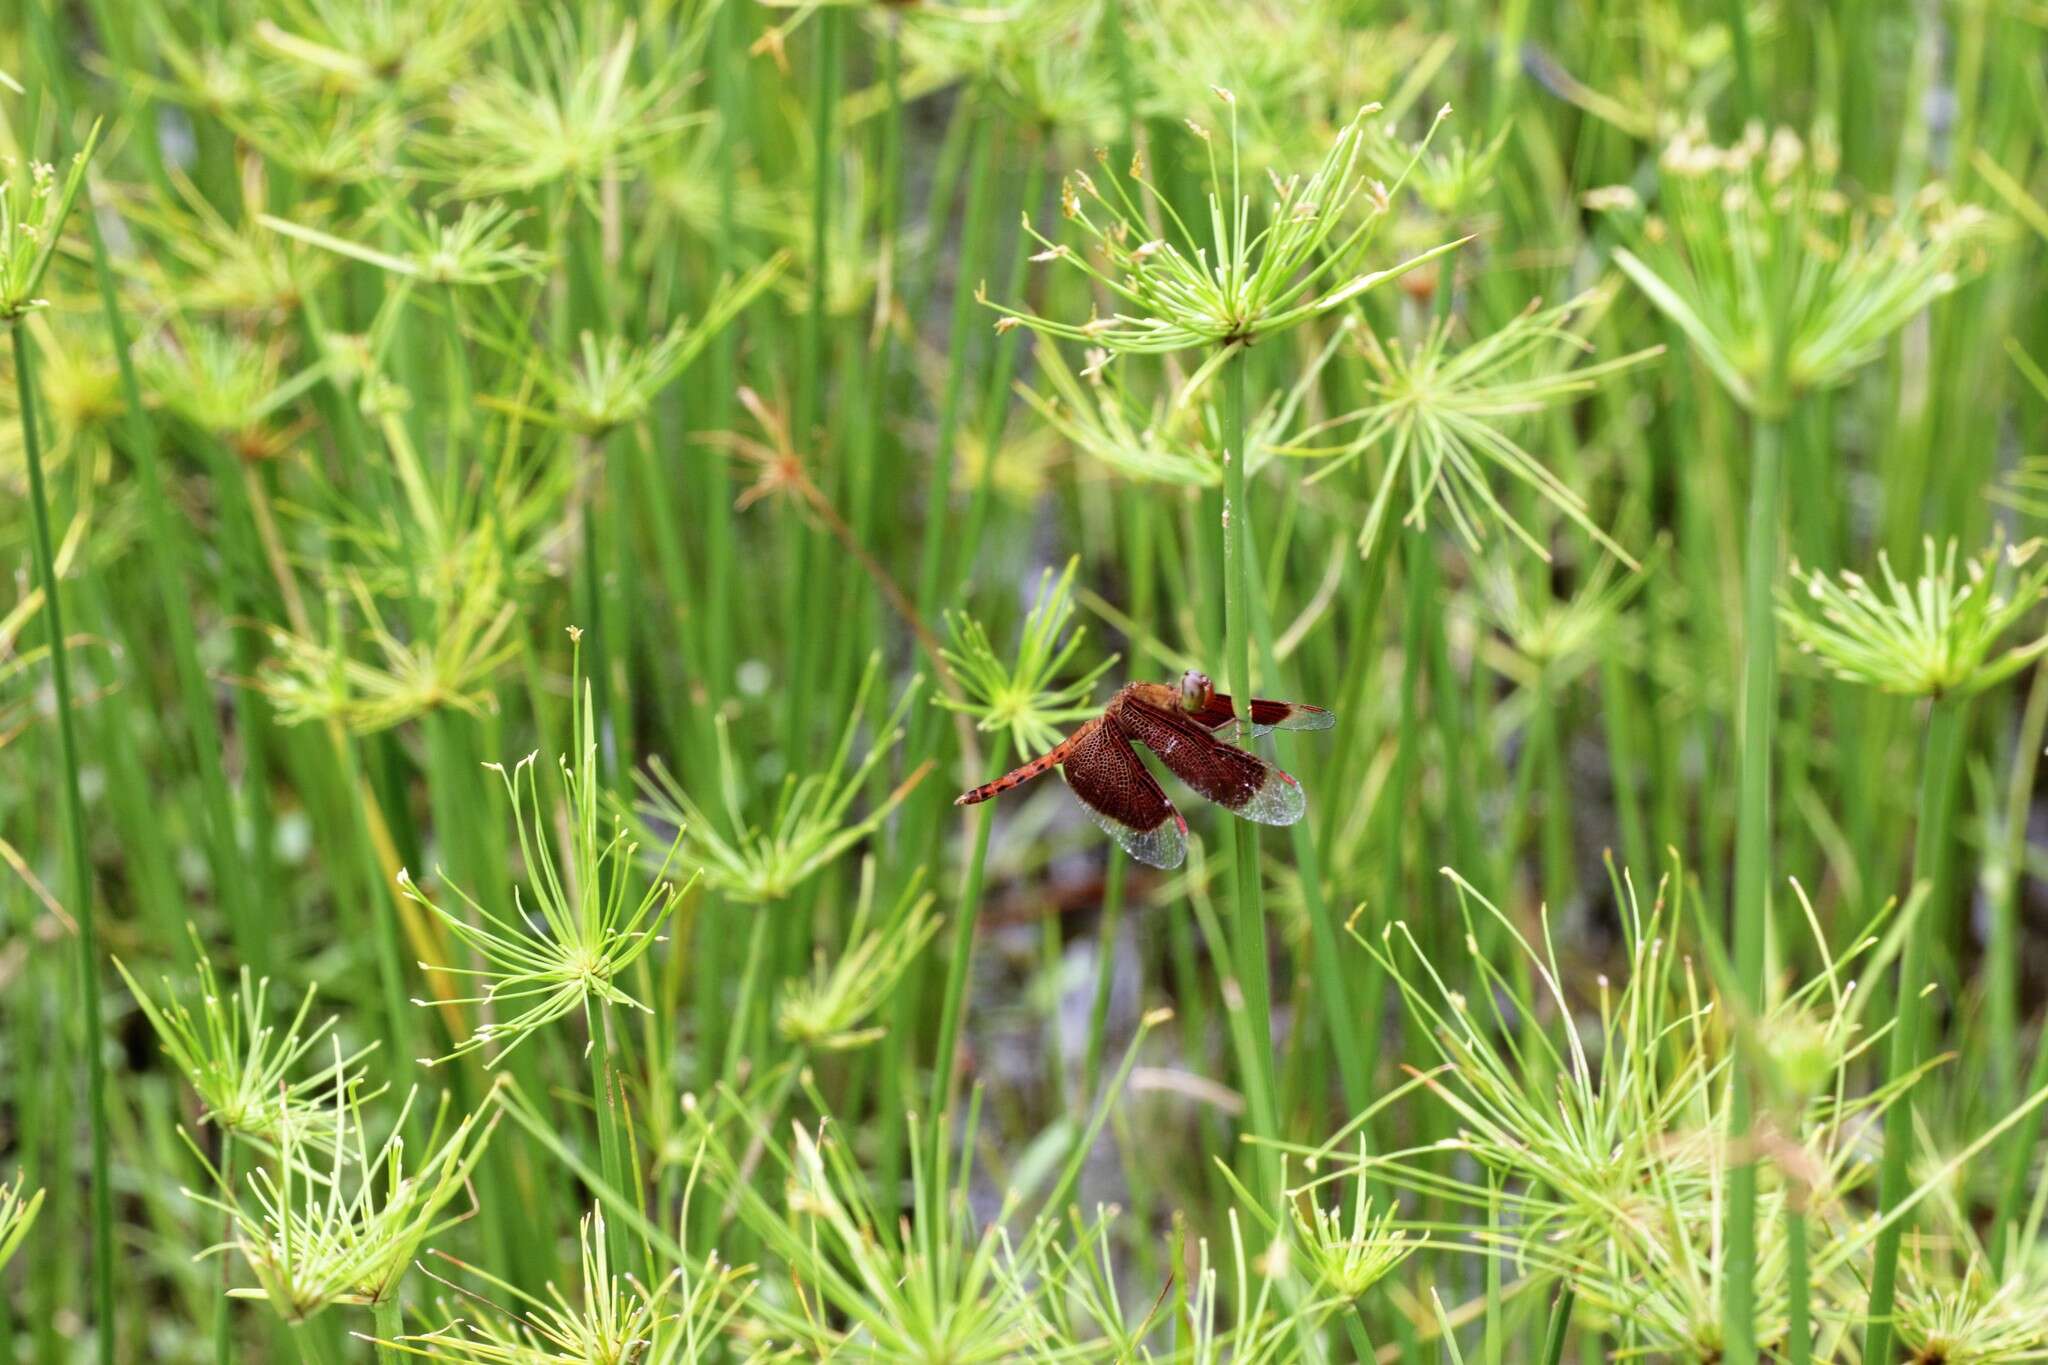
(1194, 690)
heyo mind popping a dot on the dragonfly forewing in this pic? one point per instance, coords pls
(1242, 783)
(1105, 775)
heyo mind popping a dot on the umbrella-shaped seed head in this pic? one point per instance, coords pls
(1933, 635)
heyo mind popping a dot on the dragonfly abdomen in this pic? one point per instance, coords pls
(1017, 777)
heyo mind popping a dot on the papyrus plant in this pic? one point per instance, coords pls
(316, 1234)
(573, 933)
(1758, 245)
(1592, 1123)
(1782, 287)
(761, 861)
(1442, 417)
(1243, 277)
(34, 207)
(250, 1077)
(1033, 698)
(1250, 273)
(1933, 637)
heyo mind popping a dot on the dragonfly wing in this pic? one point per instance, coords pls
(1267, 715)
(1290, 715)
(1243, 784)
(1123, 798)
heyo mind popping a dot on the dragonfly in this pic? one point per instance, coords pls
(1180, 724)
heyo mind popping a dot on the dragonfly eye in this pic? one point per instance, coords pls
(1194, 690)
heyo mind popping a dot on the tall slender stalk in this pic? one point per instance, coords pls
(593, 461)
(314, 1338)
(869, 450)
(810, 375)
(1327, 964)
(1391, 816)
(167, 564)
(2016, 1186)
(1559, 1329)
(713, 956)
(2002, 952)
(1745, 59)
(1752, 859)
(223, 1307)
(945, 1076)
(1248, 931)
(79, 867)
(728, 59)
(1939, 770)
(1549, 757)
(390, 1320)
(605, 1094)
(1106, 931)
(973, 247)
(1798, 1280)
(1002, 364)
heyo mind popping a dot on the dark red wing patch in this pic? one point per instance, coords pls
(1266, 715)
(1289, 715)
(1123, 798)
(1242, 783)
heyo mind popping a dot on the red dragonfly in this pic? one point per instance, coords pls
(1179, 724)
